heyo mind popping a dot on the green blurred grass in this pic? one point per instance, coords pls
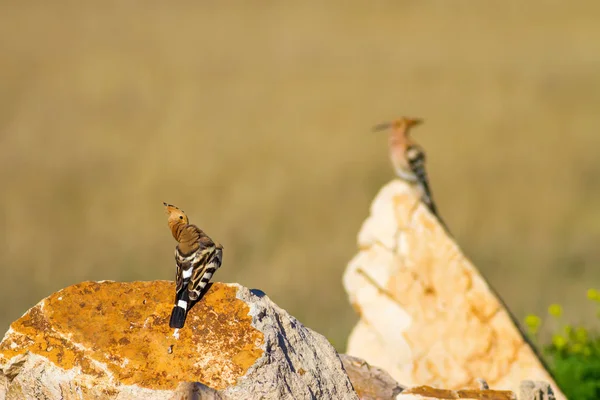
(255, 117)
(573, 352)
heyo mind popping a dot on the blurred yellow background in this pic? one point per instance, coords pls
(255, 117)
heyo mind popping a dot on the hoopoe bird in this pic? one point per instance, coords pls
(197, 258)
(408, 158)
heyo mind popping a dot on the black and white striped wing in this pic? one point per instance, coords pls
(179, 275)
(416, 161)
(208, 263)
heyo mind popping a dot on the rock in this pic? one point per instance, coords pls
(427, 392)
(531, 390)
(195, 391)
(112, 340)
(369, 382)
(427, 316)
(483, 385)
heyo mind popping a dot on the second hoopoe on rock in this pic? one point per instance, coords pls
(408, 158)
(197, 258)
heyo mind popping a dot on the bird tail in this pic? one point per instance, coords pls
(180, 310)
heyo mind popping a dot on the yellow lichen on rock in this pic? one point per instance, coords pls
(110, 340)
(427, 392)
(120, 331)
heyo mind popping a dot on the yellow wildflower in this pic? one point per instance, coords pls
(555, 310)
(559, 341)
(533, 323)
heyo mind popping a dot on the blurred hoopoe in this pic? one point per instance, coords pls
(408, 158)
(197, 258)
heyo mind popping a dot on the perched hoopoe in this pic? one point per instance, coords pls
(197, 258)
(408, 158)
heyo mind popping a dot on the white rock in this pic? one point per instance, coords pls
(298, 363)
(427, 316)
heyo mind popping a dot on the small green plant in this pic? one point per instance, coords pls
(573, 353)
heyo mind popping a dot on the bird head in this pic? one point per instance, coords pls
(176, 218)
(400, 143)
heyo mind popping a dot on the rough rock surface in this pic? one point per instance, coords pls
(531, 390)
(427, 392)
(196, 391)
(528, 391)
(112, 340)
(426, 314)
(369, 382)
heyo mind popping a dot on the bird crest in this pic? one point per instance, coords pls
(401, 125)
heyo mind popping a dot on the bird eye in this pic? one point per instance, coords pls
(181, 217)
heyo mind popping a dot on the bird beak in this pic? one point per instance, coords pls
(382, 127)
